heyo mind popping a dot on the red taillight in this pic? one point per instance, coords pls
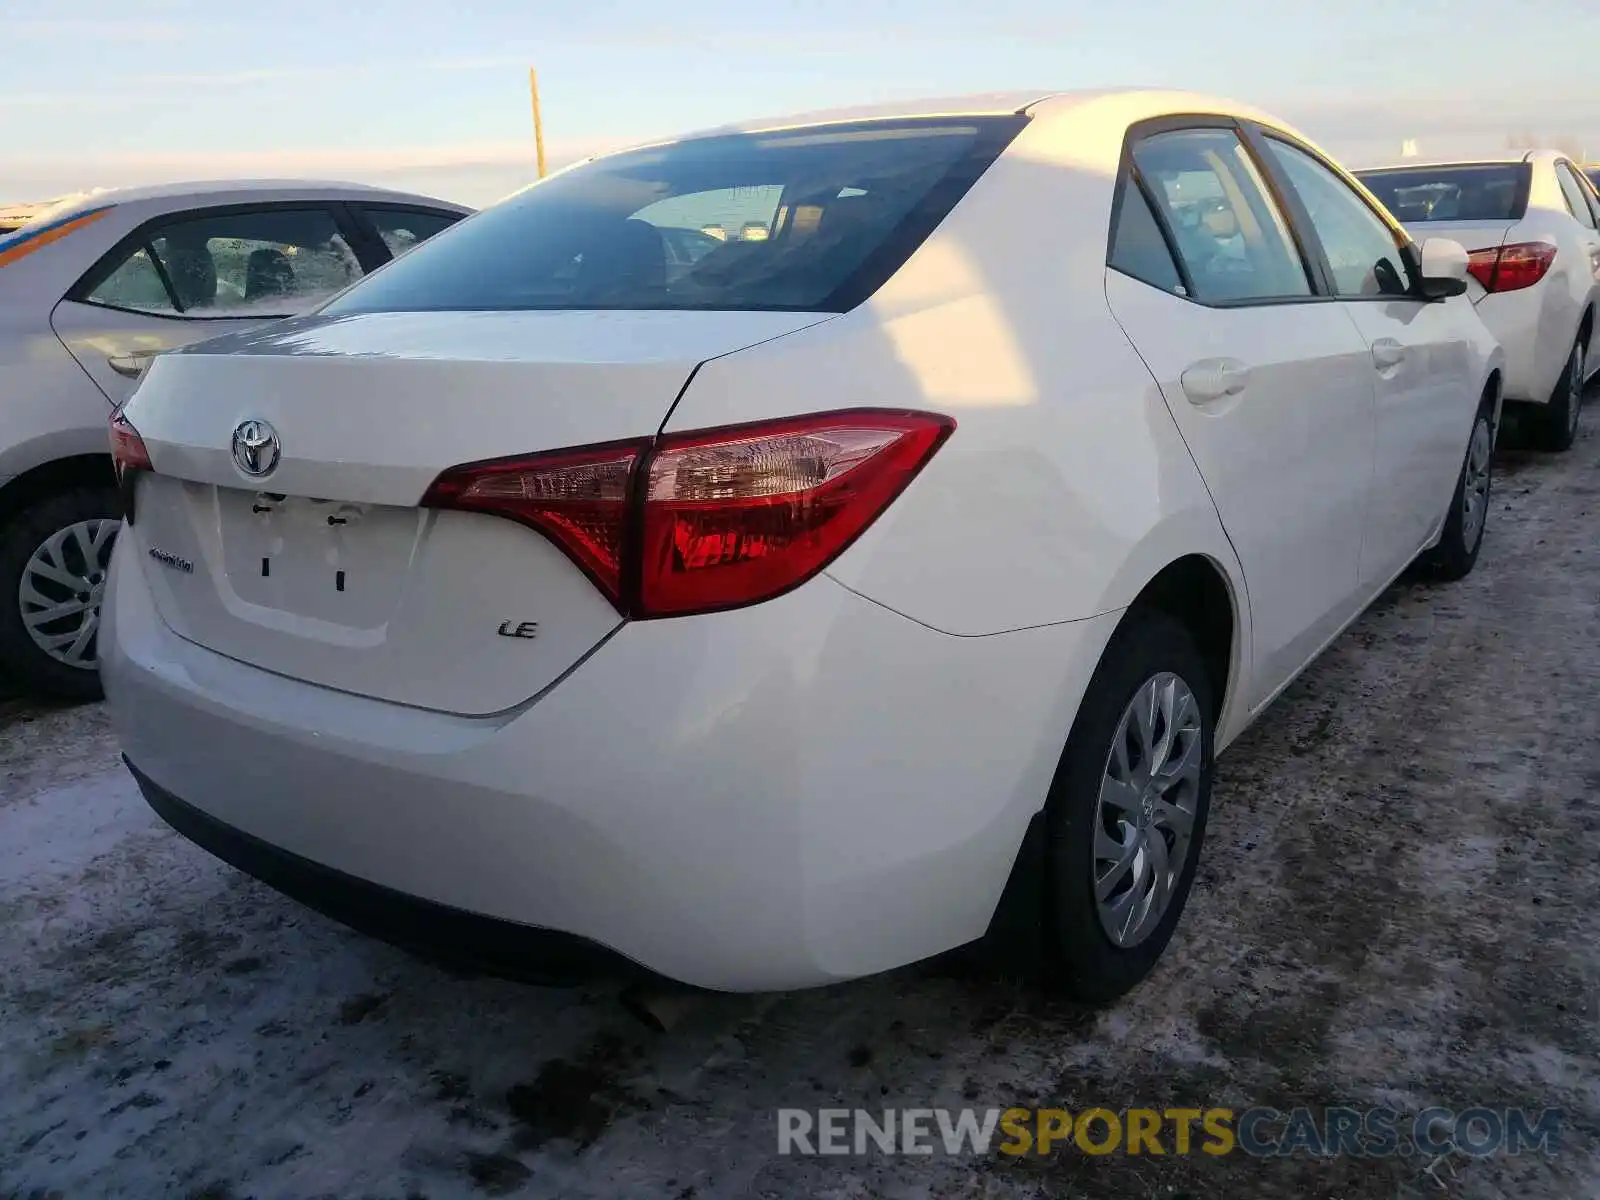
(1511, 268)
(736, 516)
(713, 519)
(127, 447)
(576, 498)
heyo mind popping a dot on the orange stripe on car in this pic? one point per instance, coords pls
(25, 242)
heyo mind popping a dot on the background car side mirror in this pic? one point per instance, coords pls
(1442, 268)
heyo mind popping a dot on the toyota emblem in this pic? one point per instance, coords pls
(255, 448)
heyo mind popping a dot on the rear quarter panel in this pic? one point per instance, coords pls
(1558, 302)
(1065, 487)
(49, 409)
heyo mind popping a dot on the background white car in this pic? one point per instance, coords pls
(89, 291)
(819, 604)
(1530, 226)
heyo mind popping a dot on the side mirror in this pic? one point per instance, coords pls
(1443, 268)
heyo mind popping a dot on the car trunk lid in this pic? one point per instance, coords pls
(1474, 235)
(325, 568)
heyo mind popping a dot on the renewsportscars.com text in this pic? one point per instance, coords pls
(1478, 1132)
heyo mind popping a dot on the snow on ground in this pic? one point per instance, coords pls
(1398, 905)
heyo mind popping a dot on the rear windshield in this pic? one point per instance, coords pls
(1470, 192)
(812, 219)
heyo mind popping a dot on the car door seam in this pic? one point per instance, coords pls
(1244, 581)
(678, 399)
(76, 361)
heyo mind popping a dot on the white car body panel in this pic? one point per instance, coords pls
(1416, 457)
(836, 781)
(97, 336)
(1288, 460)
(51, 409)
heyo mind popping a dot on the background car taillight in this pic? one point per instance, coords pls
(1511, 268)
(128, 457)
(708, 520)
(128, 451)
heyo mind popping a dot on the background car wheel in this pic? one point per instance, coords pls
(1127, 811)
(1457, 552)
(53, 560)
(1560, 426)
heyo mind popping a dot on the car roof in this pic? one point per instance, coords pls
(161, 191)
(1035, 101)
(200, 193)
(1500, 160)
(968, 105)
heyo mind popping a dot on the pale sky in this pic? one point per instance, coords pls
(434, 96)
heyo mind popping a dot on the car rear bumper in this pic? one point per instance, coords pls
(787, 795)
(461, 938)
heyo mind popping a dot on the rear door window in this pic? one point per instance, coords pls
(1234, 241)
(269, 261)
(1138, 247)
(404, 229)
(811, 219)
(1464, 192)
(1572, 190)
(135, 284)
(1586, 183)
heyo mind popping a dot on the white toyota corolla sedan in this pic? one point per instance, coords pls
(1531, 226)
(880, 571)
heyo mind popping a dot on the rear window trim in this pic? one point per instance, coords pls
(1519, 202)
(995, 134)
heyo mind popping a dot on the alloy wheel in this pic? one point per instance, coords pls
(1144, 815)
(1475, 488)
(62, 586)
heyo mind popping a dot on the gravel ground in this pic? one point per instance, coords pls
(1398, 906)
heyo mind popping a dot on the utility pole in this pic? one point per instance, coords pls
(538, 125)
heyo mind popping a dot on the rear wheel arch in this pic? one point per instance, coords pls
(1196, 592)
(1586, 334)
(53, 477)
(1494, 395)
(49, 622)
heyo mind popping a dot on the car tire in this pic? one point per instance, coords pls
(1457, 552)
(45, 543)
(1559, 428)
(1100, 812)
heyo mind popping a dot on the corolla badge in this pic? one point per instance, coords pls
(176, 561)
(255, 448)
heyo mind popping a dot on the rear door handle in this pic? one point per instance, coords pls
(131, 365)
(1213, 378)
(1386, 353)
